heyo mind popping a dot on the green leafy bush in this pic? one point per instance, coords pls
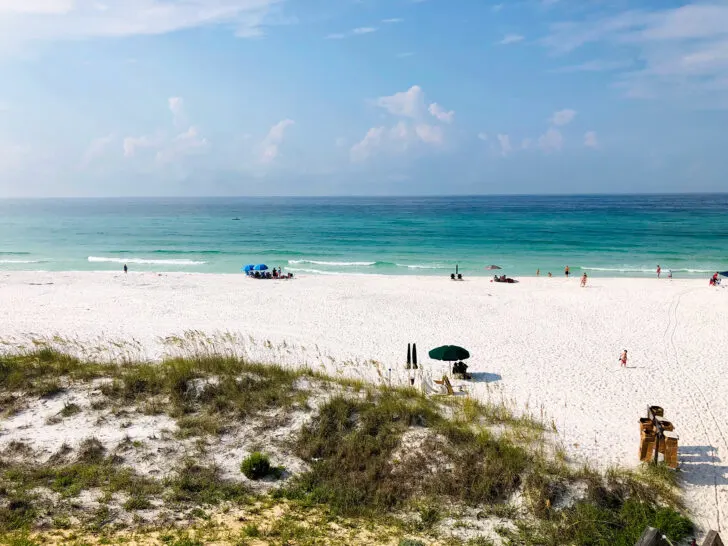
(256, 466)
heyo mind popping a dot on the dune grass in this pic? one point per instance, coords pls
(387, 456)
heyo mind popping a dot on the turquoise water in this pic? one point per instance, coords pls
(603, 235)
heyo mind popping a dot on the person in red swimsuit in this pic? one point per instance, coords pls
(623, 359)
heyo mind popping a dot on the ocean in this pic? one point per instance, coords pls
(601, 235)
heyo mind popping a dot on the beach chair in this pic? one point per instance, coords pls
(445, 382)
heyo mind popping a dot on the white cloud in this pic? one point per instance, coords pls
(272, 141)
(186, 143)
(96, 148)
(590, 140)
(410, 103)
(392, 21)
(483, 136)
(353, 32)
(595, 66)
(414, 129)
(368, 145)
(526, 143)
(45, 7)
(395, 140)
(437, 111)
(511, 39)
(132, 144)
(429, 134)
(26, 20)
(563, 117)
(683, 51)
(176, 106)
(505, 144)
(168, 148)
(551, 141)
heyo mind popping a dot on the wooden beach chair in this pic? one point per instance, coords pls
(446, 383)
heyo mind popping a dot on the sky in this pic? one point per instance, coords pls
(362, 97)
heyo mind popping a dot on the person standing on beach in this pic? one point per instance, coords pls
(623, 358)
(659, 270)
(538, 272)
(583, 280)
(669, 274)
(126, 269)
(566, 271)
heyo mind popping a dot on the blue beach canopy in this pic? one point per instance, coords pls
(260, 267)
(724, 273)
(248, 268)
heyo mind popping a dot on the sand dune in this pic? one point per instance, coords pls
(547, 345)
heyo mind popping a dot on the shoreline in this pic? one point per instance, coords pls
(445, 275)
(544, 346)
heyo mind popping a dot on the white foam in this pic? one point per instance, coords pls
(342, 264)
(20, 261)
(97, 259)
(422, 266)
(627, 269)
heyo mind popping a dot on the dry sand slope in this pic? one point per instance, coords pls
(546, 345)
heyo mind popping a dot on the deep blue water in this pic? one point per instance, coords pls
(607, 235)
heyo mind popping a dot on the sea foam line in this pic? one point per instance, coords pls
(97, 259)
(21, 261)
(642, 270)
(341, 264)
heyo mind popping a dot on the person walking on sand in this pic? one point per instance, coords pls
(623, 358)
(126, 269)
(566, 271)
(583, 280)
(659, 270)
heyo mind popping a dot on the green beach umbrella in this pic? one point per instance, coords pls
(449, 353)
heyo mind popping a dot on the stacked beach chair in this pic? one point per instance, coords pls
(658, 437)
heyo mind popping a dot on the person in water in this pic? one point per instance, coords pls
(126, 269)
(566, 271)
(623, 358)
(659, 270)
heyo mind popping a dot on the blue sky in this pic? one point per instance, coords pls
(347, 97)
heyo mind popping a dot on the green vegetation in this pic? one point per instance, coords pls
(257, 466)
(387, 459)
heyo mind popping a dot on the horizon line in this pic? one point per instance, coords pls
(360, 196)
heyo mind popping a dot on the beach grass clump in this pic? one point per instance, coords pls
(350, 444)
(202, 485)
(199, 392)
(382, 457)
(37, 372)
(256, 466)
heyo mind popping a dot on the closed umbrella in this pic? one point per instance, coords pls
(409, 358)
(414, 356)
(449, 353)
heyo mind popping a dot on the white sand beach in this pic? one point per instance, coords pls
(545, 345)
